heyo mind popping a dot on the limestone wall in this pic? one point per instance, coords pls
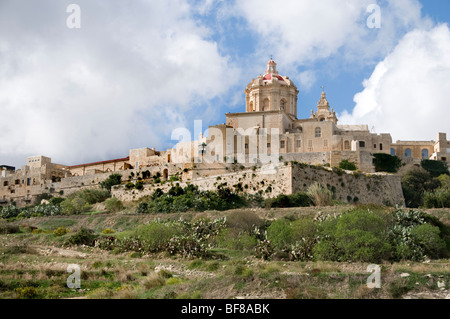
(381, 189)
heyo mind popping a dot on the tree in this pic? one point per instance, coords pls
(347, 165)
(435, 168)
(112, 180)
(387, 163)
(415, 183)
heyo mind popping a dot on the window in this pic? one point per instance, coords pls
(444, 159)
(408, 152)
(246, 146)
(268, 145)
(362, 144)
(282, 104)
(392, 152)
(318, 132)
(266, 105)
(425, 154)
(282, 144)
(299, 143)
(5, 183)
(381, 147)
(137, 165)
(346, 145)
(17, 182)
(374, 146)
(28, 181)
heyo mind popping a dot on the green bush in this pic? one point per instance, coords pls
(83, 237)
(387, 163)
(347, 165)
(9, 211)
(415, 183)
(320, 195)
(279, 233)
(155, 236)
(56, 200)
(26, 292)
(113, 205)
(112, 180)
(435, 168)
(284, 201)
(244, 221)
(60, 231)
(357, 235)
(7, 228)
(428, 237)
(76, 205)
(439, 198)
(232, 238)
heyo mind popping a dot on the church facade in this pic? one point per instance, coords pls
(268, 132)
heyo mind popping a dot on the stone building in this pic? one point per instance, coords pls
(267, 132)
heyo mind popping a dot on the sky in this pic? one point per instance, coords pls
(119, 75)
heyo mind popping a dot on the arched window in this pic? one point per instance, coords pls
(346, 145)
(425, 154)
(408, 152)
(318, 132)
(250, 109)
(266, 105)
(392, 152)
(282, 104)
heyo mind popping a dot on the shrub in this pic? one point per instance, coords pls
(357, 235)
(244, 221)
(428, 237)
(26, 292)
(7, 228)
(129, 185)
(112, 180)
(56, 200)
(439, 198)
(284, 201)
(60, 231)
(320, 195)
(92, 195)
(74, 206)
(279, 234)
(9, 211)
(232, 238)
(435, 168)
(139, 185)
(83, 237)
(347, 165)
(113, 205)
(142, 208)
(414, 183)
(387, 163)
(155, 236)
(108, 231)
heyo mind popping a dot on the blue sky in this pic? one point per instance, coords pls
(137, 70)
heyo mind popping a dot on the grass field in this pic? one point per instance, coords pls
(34, 265)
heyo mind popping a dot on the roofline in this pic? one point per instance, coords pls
(101, 162)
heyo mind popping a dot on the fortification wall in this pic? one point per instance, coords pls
(381, 189)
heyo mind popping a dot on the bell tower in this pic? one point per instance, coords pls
(271, 92)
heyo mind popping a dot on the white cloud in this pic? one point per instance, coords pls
(130, 75)
(303, 32)
(408, 93)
